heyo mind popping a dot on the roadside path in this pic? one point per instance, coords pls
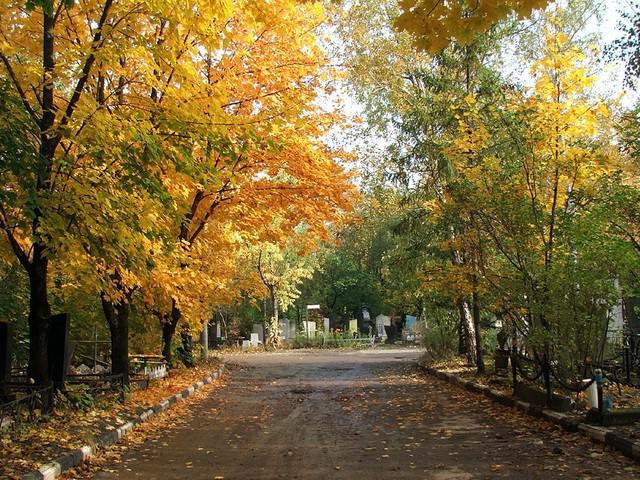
(368, 414)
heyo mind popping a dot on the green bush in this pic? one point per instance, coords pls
(489, 340)
(440, 337)
(77, 396)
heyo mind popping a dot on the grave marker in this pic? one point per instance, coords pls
(59, 348)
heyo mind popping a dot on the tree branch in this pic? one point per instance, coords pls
(15, 246)
(19, 89)
(86, 69)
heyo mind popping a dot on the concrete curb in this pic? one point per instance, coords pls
(76, 457)
(598, 434)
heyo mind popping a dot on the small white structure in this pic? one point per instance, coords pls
(287, 329)
(616, 316)
(327, 325)
(381, 322)
(255, 340)
(309, 327)
(158, 371)
(259, 329)
(353, 325)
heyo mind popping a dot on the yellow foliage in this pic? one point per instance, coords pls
(435, 23)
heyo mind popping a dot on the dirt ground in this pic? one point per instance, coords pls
(368, 414)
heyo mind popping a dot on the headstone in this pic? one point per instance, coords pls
(59, 348)
(410, 323)
(287, 329)
(259, 329)
(246, 344)
(616, 318)
(381, 322)
(283, 327)
(255, 339)
(292, 329)
(6, 331)
(353, 325)
(218, 330)
(392, 333)
(309, 328)
(327, 325)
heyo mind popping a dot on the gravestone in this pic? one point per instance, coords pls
(287, 329)
(255, 338)
(353, 325)
(381, 322)
(59, 348)
(259, 329)
(6, 331)
(327, 325)
(246, 344)
(309, 327)
(410, 324)
(392, 333)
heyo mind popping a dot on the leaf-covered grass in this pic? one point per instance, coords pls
(68, 428)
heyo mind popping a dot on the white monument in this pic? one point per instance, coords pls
(309, 327)
(381, 322)
(259, 329)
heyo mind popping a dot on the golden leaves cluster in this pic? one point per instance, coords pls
(436, 23)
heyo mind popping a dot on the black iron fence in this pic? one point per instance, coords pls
(27, 408)
(32, 402)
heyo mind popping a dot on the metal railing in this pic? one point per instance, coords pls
(27, 409)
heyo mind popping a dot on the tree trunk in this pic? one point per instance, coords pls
(39, 309)
(275, 324)
(476, 327)
(270, 317)
(39, 313)
(469, 331)
(117, 316)
(168, 331)
(186, 349)
(169, 327)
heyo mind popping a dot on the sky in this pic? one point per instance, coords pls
(609, 76)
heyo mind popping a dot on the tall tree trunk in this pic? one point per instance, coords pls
(269, 317)
(476, 327)
(39, 309)
(169, 327)
(468, 330)
(39, 313)
(275, 323)
(117, 316)
(169, 330)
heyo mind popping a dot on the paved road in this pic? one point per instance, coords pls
(368, 414)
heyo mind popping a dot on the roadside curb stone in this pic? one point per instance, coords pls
(597, 434)
(80, 455)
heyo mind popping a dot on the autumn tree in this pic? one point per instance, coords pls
(262, 156)
(281, 269)
(529, 172)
